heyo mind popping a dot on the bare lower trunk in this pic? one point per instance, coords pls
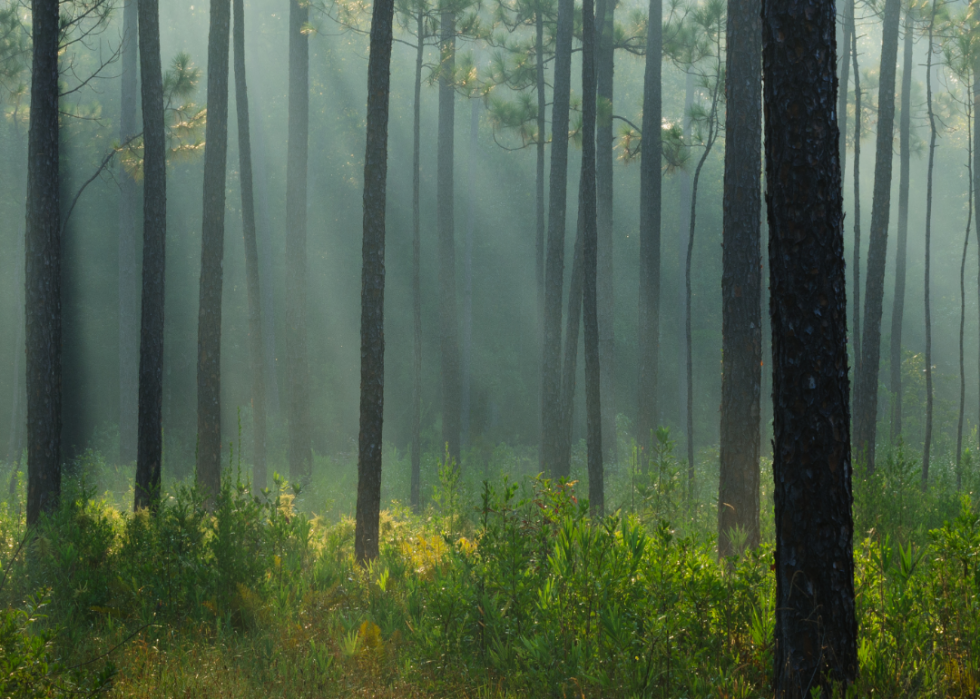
(966, 243)
(573, 321)
(927, 444)
(856, 291)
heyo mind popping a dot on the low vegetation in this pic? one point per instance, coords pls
(500, 588)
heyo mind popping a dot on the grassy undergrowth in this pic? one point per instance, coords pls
(500, 589)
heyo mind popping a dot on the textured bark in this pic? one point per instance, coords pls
(966, 243)
(129, 319)
(43, 270)
(606, 300)
(927, 442)
(590, 319)
(149, 453)
(448, 319)
(467, 367)
(866, 394)
(816, 630)
(856, 320)
(373, 286)
(741, 281)
(416, 482)
(212, 252)
(551, 418)
(255, 345)
(650, 198)
(297, 360)
(898, 300)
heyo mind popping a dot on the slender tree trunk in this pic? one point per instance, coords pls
(468, 271)
(606, 299)
(373, 285)
(927, 442)
(844, 56)
(255, 345)
(898, 301)
(43, 265)
(551, 418)
(741, 282)
(129, 320)
(684, 223)
(590, 318)
(149, 455)
(212, 252)
(650, 197)
(976, 169)
(539, 193)
(966, 243)
(866, 399)
(814, 564)
(856, 321)
(448, 319)
(297, 360)
(563, 468)
(416, 483)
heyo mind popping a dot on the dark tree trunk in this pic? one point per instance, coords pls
(129, 320)
(539, 191)
(927, 442)
(551, 417)
(866, 398)
(741, 281)
(606, 299)
(43, 265)
(856, 321)
(373, 285)
(149, 454)
(255, 345)
(898, 300)
(212, 251)
(816, 630)
(563, 466)
(416, 486)
(448, 320)
(590, 319)
(297, 360)
(467, 367)
(966, 243)
(650, 181)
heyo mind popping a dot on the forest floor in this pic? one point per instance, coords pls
(501, 589)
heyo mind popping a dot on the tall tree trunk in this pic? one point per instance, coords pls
(684, 223)
(468, 272)
(966, 243)
(255, 344)
(866, 399)
(297, 360)
(448, 319)
(149, 454)
(741, 281)
(976, 169)
(373, 285)
(212, 252)
(539, 194)
(551, 418)
(606, 298)
(856, 321)
(43, 265)
(650, 196)
(129, 320)
(416, 483)
(927, 442)
(563, 467)
(898, 301)
(590, 319)
(844, 56)
(814, 563)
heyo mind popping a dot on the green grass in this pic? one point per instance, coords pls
(498, 589)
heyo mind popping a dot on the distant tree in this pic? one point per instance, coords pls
(898, 298)
(212, 250)
(816, 628)
(741, 280)
(866, 391)
(844, 57)
(297, 156)
(43, 277)
(149, 455)
(927, 441)
(128, 230)
(858, 119)
(255, 344)
(372, 287)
